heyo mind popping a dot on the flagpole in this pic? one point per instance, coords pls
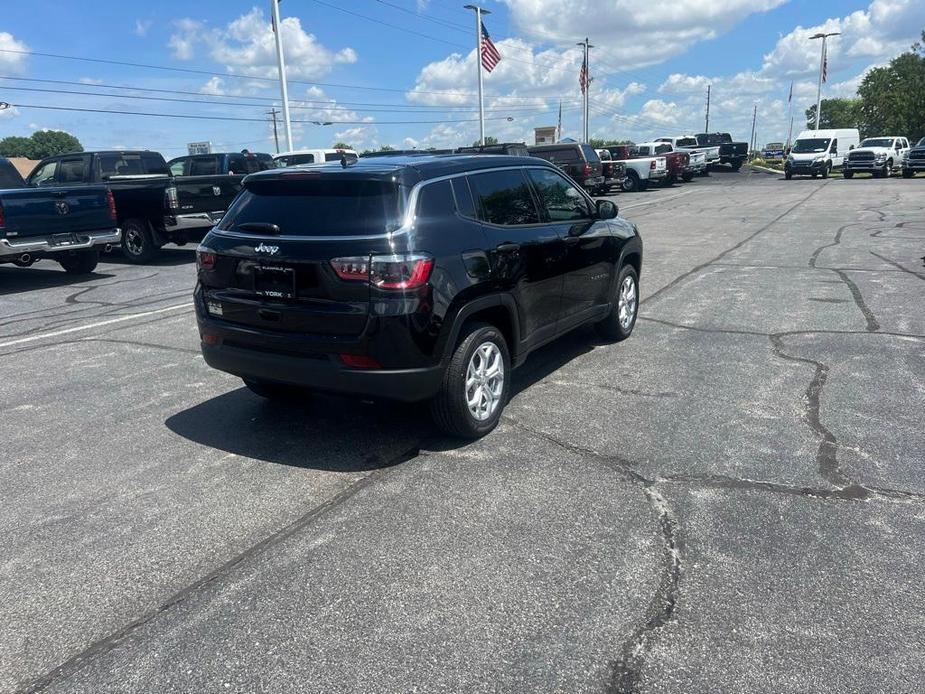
(281, 64)
(478, 63)
(822, 68)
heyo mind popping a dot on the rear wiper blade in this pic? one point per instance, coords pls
(260, 227)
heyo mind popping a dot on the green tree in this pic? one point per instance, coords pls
(341, 145)
(893, 97)
(16, 146)
(48, 143)
(600, 143)
(837, 113)
(489, 140)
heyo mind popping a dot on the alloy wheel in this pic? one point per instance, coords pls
(484, 381)
(626, 303)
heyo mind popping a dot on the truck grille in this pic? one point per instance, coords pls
(917, 154)
(861, 156)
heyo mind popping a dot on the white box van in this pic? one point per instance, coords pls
(817, 152)
(313, 156)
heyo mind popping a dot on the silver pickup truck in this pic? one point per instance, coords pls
(67, 224)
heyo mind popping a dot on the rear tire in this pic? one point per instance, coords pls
(848, 174)
(137, 241)
(479, 372)
(631, 182)
(80, 262)
(687, 176)
(278, 392)
(619, 323)
(736, 165)
(908, 173)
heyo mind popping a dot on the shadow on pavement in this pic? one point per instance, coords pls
(166, 257)
(15, 280)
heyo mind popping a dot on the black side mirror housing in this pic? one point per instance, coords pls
(607, 209)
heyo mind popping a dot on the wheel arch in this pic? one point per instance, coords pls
(499, 310)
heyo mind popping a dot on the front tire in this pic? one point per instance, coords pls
(476, 384)
(848, 174)
(788, 175)
(137, 241)
(80, 262)
(908, 173)
(888, 168)
(736, 165)
(826, 170)
(619, 323)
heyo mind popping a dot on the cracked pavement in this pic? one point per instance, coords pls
(731, 500)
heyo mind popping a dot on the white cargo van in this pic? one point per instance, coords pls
(817, 152)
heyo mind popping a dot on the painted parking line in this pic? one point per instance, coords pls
(656, 200)
(90, 326)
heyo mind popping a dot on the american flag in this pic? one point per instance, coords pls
(490, 55)
(583, 79)
(825, 64)
(790, 96)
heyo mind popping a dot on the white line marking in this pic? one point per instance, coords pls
(66, 331)
(655, 200)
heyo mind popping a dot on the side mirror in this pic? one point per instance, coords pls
(606, 209)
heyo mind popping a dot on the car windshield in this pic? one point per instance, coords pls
(309, 205)
(920, 143)
(811, 145)
(877, 142)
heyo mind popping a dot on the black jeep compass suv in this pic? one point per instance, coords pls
(410, 278)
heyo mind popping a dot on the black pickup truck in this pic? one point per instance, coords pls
(733, 153)
(154, 208)
(69, 224)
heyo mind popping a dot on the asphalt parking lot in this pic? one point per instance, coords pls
(732, 500)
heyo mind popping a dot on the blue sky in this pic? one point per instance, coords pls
(651, 65)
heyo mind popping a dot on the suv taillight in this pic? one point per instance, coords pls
(205, 260)
(405, 271)
(111, 202)
(173, 200)
(588, 170)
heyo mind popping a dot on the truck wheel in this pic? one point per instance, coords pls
(848, 174)
(80, 262)
(631, 182)
(669, 180)
(476, 384)
(908, 173)
(643, 186)
(278, 392)
(888, 168)
(825, 170)
(736, 165)
(705, 172)
(788, 175)
(687, 176)
(619, 322)
(137, 242)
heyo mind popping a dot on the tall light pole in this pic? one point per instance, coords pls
(281, 64)
(822, 68)
(478, 64)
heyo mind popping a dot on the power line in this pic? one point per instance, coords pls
(249, 120)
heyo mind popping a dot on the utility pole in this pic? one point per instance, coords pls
(272, 113)
(752, 140)
(478, 65)
(585, 80)
(822, 76)
(706, 128)
(281, 64)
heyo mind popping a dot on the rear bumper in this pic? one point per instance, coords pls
(45, 246)
(657, 175)
(195, 220)
(593, 182)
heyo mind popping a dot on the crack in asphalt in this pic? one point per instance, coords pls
(898, 266)
(784, 333)
(117, 638)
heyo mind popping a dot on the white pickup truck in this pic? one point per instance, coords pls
(640, 171)
(688, 143)
(681, 163)
(878, 156)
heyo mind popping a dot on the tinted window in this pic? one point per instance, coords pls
(436, 200)
(318, 207)
(811, 145)
(877, 142)
(239, 164)
(687, 142)
(44, 174)
(504, 197)
(463, 196)
(642, 152)
(71, 171)
(335, 156)
(662, 149)
(590, 154)
(130, 164)
(561, 200)
(557, 154)
(203, 166)
(295, 159)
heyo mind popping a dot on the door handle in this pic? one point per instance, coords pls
(571, 240)
(508, 248)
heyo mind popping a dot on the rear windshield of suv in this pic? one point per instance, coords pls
(319, 207)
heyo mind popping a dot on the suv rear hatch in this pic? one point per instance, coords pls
(272, 267)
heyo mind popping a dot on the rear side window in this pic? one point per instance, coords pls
(203, 166)
(436, 200)
(295, 159)
(176, 168)
(130, 164)
(663, 149)
(318, 207)
(503, 197)
(240, 164)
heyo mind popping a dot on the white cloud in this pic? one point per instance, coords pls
(9, 113)
(12, 63)
(90, 80)
(247, 46)
(183, 41)
(142, 26)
